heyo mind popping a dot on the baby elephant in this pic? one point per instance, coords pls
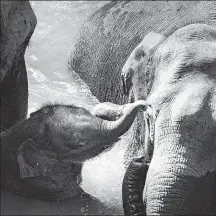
(42, 155)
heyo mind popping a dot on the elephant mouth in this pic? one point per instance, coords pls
(150, 118)
(126, 81)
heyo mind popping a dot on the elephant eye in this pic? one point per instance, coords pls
(140, 54)
(81, 143)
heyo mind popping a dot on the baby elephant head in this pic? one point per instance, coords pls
(60, 134)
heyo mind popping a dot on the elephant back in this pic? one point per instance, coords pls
(16, 29)
(108, 37)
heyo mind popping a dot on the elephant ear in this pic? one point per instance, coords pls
(151, 40)
(32, 162)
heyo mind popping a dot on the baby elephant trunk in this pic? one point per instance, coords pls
(120, 126)
(132, 188)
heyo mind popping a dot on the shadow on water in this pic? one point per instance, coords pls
(58, 22)
(14, 204)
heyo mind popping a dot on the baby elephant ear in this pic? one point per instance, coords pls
(32, 163)
(25, 153)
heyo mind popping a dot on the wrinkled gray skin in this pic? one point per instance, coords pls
(132, 187)
(44, 153)
(106, 40)
(18, 22)
(110, 111)
(182, 174)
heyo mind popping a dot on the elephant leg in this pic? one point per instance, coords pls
(213, 206)
(132, 188)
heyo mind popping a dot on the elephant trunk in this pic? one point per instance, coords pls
(180, 176)
(132, 188)
(120, 126)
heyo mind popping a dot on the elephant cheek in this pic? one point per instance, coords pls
(168, 191)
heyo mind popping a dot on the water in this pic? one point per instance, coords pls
(50, 81)
(48, 52)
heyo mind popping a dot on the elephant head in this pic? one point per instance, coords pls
(54, 138)
(107, 38)
(132, 72)
(181, 175)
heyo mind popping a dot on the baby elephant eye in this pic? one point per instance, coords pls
(81, 143)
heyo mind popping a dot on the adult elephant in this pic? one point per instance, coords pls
(18, 22)
(108, 37)
(182, 91)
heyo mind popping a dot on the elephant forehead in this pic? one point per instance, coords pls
(196, 42)
(195, 32)
(73, 128)
(189, 100)
(70, 118)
